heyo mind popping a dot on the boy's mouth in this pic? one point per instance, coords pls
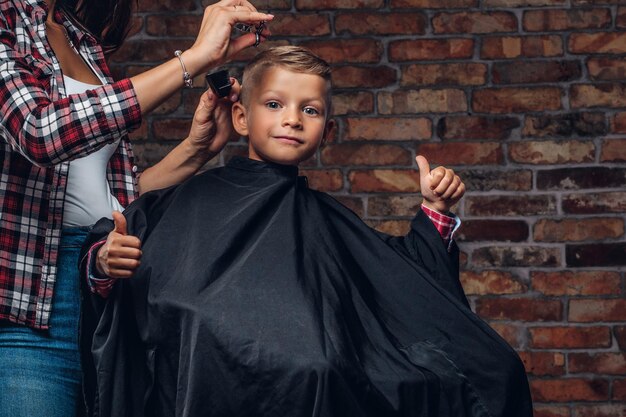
(290, 140)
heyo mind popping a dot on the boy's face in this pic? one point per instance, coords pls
(284, 117)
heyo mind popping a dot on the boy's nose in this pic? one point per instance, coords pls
(292, 118)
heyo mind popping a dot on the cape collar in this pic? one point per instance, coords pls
(247, 164)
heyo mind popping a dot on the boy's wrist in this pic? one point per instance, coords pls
(440, 208)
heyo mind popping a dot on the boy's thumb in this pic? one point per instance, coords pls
(423, 165)
(120, 223)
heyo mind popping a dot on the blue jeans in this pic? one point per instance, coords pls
(40, 372)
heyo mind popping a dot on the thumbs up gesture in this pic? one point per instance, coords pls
(120, 255)
(441, 187)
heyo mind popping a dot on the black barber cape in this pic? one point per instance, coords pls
(257, 296)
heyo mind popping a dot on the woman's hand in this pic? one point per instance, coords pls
(214, 45)
(212, 127)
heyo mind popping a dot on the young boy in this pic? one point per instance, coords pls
(256, 296)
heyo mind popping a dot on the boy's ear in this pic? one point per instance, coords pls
(329, 130)
(240, 122)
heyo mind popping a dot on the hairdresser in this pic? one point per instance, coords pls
(66, 161)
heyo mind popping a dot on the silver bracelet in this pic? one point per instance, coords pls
(186, 76)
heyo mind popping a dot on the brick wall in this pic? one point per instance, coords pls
(525, 99)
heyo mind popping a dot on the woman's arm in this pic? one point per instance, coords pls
(47, 132)
(210, 131)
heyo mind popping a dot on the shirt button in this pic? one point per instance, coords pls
(134, 168)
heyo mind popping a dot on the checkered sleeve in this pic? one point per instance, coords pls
(445, 224)
(47, 132)
(97, 284)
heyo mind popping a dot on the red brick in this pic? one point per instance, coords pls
(405, 101)
(384, 180)
(566, 125)
(597, 43)
(516, 256)
(600, 410)
(513, 334)
(570, 389)
(338, 4)
(324, 179)
(595, 2)
(396, 205)
(522, 309)
(603, 95)
(430, 49)
(607, 363)
(595, 254)
(170, 129)
(444, 74)
(391, 227)
(347, 50)
(618, 123)
(474, 22)
(461, 153)
(620, 336)
(176, 26)
(613, 150)
(619, 391)
(576, 230)
(516, 100)
(550, 411)
(388, 129)
(611, 202)
(571, 19)
(353, 103)
(166, 5)
(497, 230)
(535, 72)
(552, 152)
(300, 24)
(570, 337)
(509, 205)
(521, 3)
(487, 179)
(365, 154)
(575, 283)
(577, 178)
(597, 310)
(149, 50)
(509, 47)
(363, 77)
(606, 68)
(434, 4)
(490, 282)
(543, 363)
(148, 154)
(476, 127)
(620, 21)
(380, 23)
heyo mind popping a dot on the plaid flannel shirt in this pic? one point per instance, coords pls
(42, 129)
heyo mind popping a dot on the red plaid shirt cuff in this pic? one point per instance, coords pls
(98, 285)
(446, 225)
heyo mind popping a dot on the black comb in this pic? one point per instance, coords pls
(219, 83)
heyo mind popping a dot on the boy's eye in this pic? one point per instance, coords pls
(272, 105)
(311, 111)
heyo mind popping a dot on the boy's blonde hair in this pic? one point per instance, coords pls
(292, 58)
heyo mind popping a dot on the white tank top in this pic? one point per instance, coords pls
(88, 197)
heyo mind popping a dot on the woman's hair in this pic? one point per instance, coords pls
(292, 58)
(107, 20)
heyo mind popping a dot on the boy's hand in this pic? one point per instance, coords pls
(441, 188)
(120, 256)
(212, 127)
